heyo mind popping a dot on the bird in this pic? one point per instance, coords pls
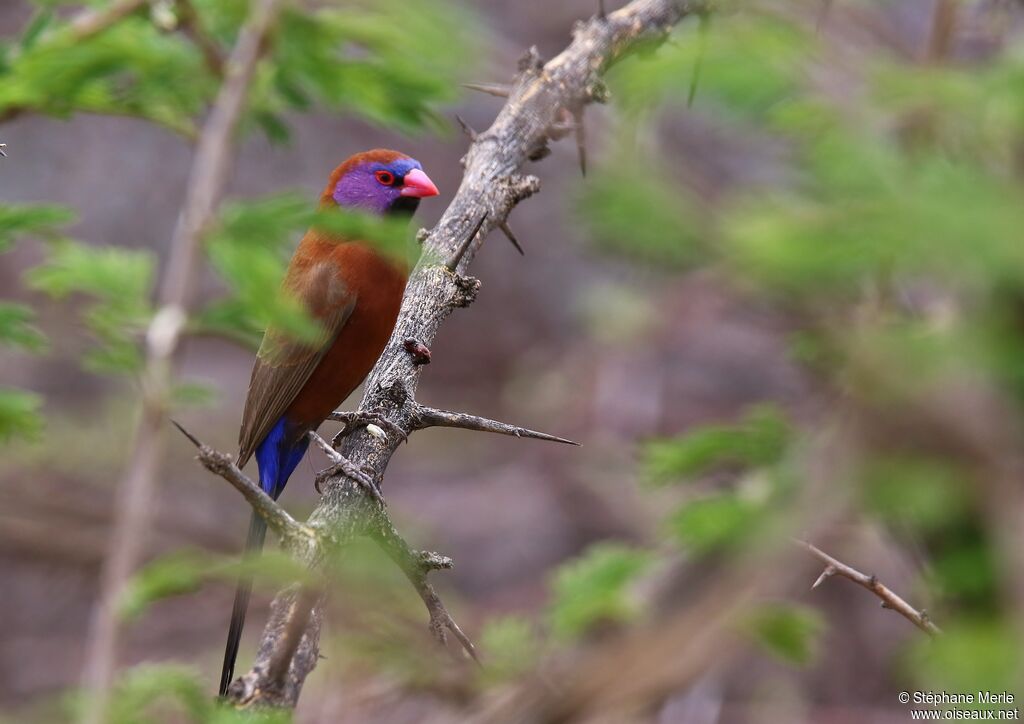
(354, 291)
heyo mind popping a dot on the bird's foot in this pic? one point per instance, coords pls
(353, 420)
(349, 469)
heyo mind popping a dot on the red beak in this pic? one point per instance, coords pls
(418, 185)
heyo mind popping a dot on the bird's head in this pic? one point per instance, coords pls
(379, 181)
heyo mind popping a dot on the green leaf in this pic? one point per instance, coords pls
(968, 569)
(594, 588)
(927, 494)
(16, 329)
(787, 631)
(760, 439)
(391, 64)
(250, 250)
(231, 319)
(18, 219)
(971, 655)
(751, 65)
(715, 522)
(166, 693)
(512, 648)
(389, 235)
(132, 68)
(165, 577)
(151, 691)
(274, 127)
(19, 415)
(118, 281)
(117, 354)
(105, 272)
(186, 571)
(194, 394)
(635, 210)
(41, 20)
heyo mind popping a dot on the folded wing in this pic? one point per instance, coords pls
(284, 364)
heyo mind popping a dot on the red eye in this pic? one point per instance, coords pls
(385, 177)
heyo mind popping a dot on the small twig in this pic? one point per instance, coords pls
(823, 13)
(580, 131)
(825, 575)
(507, 231)
(189, 20)
(218, 463)
(288, 644)
(466, 128)
(416, 565)
(453, 263)
(492, 89)
(424, 417)
(834, 567)
(531, 61)
(601, 13)
(284, 660)
(943, 31)
(702, 48)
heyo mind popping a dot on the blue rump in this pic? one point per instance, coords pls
(278, 455)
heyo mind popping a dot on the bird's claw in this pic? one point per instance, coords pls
(352, 420)
(350, 470)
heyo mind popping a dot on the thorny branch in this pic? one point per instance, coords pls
(543, 96)
(277, 518)
(416, 565)
(424, 417)
(835, 567)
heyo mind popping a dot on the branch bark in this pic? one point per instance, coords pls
(134, 495)
(542, 96)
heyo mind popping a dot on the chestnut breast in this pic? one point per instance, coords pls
(378, 283)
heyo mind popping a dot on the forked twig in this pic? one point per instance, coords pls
(835, 567)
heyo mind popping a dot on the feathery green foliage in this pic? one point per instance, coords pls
(759, 440)
(17, 330)
(250, 249)
(594, 589)
(19, 414)
(117, 283)
(884, 223)
(789, 632)
(19, 410)
(36, 219)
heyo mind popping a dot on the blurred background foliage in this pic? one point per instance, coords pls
(164, 65)
(859, 190)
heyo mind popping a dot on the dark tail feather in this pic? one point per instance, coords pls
(253, 546)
